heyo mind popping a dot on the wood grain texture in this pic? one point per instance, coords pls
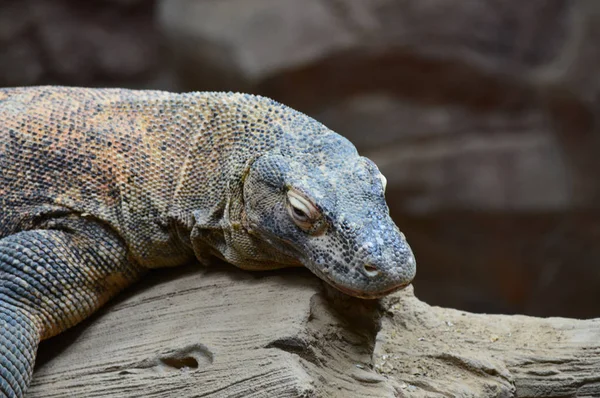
(228, 333)
(211, 334)
(441, 352)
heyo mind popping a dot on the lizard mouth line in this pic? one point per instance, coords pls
(366, 295)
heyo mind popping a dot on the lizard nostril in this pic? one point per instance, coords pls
(371, 270)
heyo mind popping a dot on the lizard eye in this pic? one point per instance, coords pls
(301, 210)
(299, 214)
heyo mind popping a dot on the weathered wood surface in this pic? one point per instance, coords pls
(228, 333)
(440, 352)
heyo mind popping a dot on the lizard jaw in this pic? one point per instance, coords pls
(324, 274)
(367, 295)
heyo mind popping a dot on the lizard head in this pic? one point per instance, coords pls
(327, 210)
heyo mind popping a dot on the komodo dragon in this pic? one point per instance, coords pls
(99, 185)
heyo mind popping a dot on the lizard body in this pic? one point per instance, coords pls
(99, 185)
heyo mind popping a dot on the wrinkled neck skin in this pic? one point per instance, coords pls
(209, 201)
(260, 251)
(229, 236)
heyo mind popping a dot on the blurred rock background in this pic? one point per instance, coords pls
(483, 115)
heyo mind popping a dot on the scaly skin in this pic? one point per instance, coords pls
(99, 185)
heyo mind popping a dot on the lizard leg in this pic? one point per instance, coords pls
(50, 280)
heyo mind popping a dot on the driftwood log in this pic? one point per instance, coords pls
(229, 333)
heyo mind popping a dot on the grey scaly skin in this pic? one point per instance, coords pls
(99, 185)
